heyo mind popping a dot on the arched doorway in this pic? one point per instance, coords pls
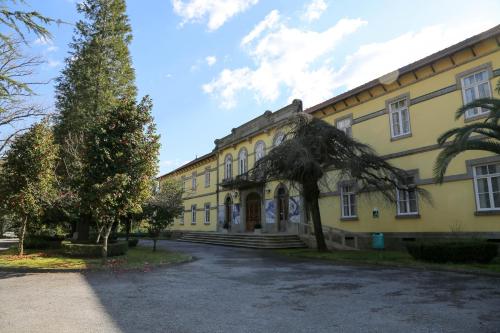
(252, 211)
(282, 207)
(228, 212)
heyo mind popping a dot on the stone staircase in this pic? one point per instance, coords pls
(254, 241)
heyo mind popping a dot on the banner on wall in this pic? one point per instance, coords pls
(270, 211)
(294, 209)
(236, 214)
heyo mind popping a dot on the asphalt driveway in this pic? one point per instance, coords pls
(240, 290)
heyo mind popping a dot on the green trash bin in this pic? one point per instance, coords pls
(378, 241)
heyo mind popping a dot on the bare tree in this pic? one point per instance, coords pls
(17, 111)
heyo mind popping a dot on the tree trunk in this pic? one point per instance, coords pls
(105, 237)
(83, 227)
(154, 244)
(318, 228)
(311, 194)
(99, 235)
(128, 225)
(22, 233)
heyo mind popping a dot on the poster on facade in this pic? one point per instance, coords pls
(236, 214)
(270, 211)
(221, 213)
(294, 209)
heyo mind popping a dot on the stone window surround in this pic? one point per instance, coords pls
(339, 189)
(416, 176)
(458, 77)
(470, 164)
(388, 112)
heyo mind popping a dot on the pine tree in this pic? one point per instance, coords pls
(122, 163)
(97, 77)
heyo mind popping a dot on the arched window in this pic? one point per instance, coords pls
(228, 167)
(278, 138)
(260, 150)
(242, 161)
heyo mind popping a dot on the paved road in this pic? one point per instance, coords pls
(239, 290)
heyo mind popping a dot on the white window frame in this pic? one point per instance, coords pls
(278, 138)
(242, 162)
(228, 167)
(193, 214)
(406, 200)
(490, 187)
(341, 122)
(258, 152)
(399, 110)
(207, 178)
(207, 213)
(475, 87)
(351, 196)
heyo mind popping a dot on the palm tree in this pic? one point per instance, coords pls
(484, 135)
(311, 148)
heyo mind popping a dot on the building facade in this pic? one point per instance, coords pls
(400, 115)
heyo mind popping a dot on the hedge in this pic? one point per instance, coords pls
(132, 242)
(43, 242)
(455, 251)
(93, 250)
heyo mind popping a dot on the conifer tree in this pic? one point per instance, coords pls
(97, 77)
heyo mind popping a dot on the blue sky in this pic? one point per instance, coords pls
(211, 65)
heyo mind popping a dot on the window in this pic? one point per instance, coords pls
(193, 214)
(207, 177)
(487, 186)
(228, 167)
(400, 118)
(193, 181)
(207, 213)
(475, 86)
(407, 199)
(278, 139)
(181, 220)
(260, 150)
(242, 162)
(348, 201)
(345, 125)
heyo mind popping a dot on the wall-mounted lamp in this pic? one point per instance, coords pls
(235, 194)
(268, 190)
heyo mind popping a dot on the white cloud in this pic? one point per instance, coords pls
(269, 22)
(285, 57)
(211, 60)
(217, 11)
(376, 59)
(169, 165)
(314, 10)
(42, 41)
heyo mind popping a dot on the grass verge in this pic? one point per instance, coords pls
(137, 258)
(388, 258)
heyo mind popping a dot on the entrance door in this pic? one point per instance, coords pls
(253, 211)
(282, 198)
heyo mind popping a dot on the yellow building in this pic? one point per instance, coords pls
(401, 116)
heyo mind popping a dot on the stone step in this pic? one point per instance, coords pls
(245, 240)
(247, 245)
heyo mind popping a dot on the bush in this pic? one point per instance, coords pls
(93, 250)
(132, 242)
(456, 251)
(42, 242)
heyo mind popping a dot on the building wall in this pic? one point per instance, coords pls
(453, 204)
(434, 94)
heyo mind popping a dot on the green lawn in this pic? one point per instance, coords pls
(138, 258)
(389, 258)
